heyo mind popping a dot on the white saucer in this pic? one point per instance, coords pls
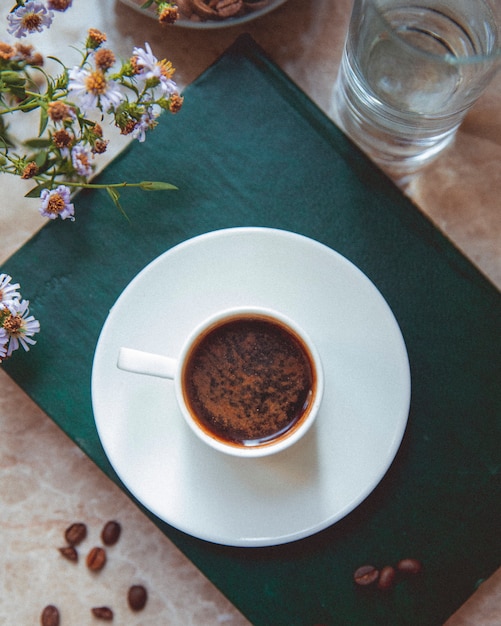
(298, 492)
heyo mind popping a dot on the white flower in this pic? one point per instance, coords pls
(82, 160)
(153, 70)
(56, 203)
(7, 290)
(145, 59)
(93, 90)
(33, 16)
(146, 122)
(19, 326)
(4, 338)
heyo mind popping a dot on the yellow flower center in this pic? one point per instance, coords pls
(166, 68)
(13, 324)
(84, 160)
(55, 204)
(96, 83)
(31, 21)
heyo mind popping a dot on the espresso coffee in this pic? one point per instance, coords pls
(249, 380)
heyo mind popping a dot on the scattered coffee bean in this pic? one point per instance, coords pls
(111, 533)
(366, 575)
(50, 616)
(409, 566)
(96, 559)
(386, 578)
(75, 533)
(102, 612)
(137, 597)
(69, 553)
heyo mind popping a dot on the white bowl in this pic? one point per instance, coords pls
(209, 24)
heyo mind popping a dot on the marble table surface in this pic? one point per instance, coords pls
(46, 482)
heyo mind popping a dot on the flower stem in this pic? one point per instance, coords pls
(147, 185)
(100, 186)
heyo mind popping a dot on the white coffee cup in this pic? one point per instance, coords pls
(248, 381)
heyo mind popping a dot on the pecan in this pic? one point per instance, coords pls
(229, 8)
(203, 10)
(185, 7)
(217, 9)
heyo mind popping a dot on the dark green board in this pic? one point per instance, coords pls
(249, 148)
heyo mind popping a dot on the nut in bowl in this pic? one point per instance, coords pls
(219, 9)
(248, 381)
(206, 14)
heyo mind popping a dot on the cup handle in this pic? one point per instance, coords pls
(140, 362)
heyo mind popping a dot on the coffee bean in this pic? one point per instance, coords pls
(75, 533)
(386, 578)
(103, 612)
(111, 533)
(69, 553)
(137, 597)
(96, 559)
(366, 575)
(409, 566)
(50, 616)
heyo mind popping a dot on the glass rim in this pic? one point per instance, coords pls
(451, 59)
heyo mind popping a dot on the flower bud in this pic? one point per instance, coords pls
(12, 78)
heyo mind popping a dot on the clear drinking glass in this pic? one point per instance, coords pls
(410, 72)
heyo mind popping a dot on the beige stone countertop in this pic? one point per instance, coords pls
(46, 482)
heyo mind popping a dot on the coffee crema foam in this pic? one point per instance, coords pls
(248, 380)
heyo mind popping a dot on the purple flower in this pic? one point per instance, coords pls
(4, 338)
(31, 17)
(81, 159)
(56, 203)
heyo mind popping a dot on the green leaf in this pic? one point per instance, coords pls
(5, 140)
(115, 196)
(29, 104)
(18, 92)
(56, 60)
(43, 162)
(44, 119)
(38, 143)
(147, 4)
(151, 185)
(40, 159)
(9, 77)
(36, 191)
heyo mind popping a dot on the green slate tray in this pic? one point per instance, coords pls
(249, 148)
